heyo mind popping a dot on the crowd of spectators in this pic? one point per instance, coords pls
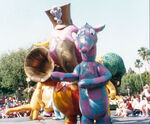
(137, 105)
(10, 102)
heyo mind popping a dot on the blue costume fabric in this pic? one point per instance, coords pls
(92, 78)
(57, 114)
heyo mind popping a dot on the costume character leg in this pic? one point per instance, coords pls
(85, 120)
(105, 120)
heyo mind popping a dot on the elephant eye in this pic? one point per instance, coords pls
(92, 31)
(74, 35)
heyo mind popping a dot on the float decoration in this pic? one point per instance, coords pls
(91, 76)
(35, 105)
(63, 56)
(114, 63)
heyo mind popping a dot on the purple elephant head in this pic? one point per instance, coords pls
(62, 48)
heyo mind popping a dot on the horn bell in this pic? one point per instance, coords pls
(38, 64)
(66, 55)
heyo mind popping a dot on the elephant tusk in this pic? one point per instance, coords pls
(111, 90)
(43, 44)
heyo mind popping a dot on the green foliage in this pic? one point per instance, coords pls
(133, 82)
(146, 78)
(12, 75)
(115, 64)
(144, 53)
(138, 63)
(130, 71)
(127, 82)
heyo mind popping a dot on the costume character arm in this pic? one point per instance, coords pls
(104, 77)
(41, 103)
(60, 76)
(39, 98)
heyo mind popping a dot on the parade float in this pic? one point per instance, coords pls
(91, 78)
(62, 53)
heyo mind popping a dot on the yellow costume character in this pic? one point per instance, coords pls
(35, 105)
(41, 62)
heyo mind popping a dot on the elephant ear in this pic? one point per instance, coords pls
(66, 55)
(98, 29)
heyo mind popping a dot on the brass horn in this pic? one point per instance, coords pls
(38, 64)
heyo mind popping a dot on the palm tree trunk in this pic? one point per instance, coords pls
(141, 78)
(148, 64)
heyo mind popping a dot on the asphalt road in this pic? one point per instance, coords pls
(26, 120)
(46, 120)
(131, 120)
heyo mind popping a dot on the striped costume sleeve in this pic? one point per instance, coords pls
(60, 76)
(104, 77)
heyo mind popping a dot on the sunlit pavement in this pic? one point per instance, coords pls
(48, 120)
(26, 120)
(129, 120)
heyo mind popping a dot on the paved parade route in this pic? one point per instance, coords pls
(26, 120)
(131, 120)
(115, 120)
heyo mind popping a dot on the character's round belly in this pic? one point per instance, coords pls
(93, 102)
(66, 99)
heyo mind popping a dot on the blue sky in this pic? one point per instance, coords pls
(23, 22)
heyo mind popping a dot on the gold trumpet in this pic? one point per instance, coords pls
(38, 64)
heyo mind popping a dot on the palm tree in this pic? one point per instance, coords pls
(139, 64)
(144, 53)
(130, 71)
